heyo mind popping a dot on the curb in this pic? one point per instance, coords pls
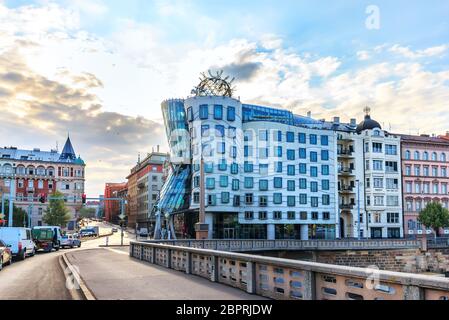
(83, 291)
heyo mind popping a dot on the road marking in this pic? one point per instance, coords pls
(118, 251)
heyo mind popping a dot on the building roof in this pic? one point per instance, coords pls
(368, 124)
(423, 139)
(68, 153)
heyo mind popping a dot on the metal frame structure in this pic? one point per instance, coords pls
(214, 85)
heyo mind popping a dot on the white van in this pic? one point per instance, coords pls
(19, 240)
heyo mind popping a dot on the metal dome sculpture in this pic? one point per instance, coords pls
(214, 85)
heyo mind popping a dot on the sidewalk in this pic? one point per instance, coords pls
(110, 274)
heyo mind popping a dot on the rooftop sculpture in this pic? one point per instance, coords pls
(214, 85)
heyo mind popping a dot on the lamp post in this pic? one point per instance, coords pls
(358, 208)
(11, 195)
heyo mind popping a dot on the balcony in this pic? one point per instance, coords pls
(30, 189)
(345, 153)
(346, 189)
(347, 206)
(346, 171)
(141, 185)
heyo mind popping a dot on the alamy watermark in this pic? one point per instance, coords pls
(372, 22)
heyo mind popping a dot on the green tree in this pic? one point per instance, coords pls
(57, 214)
(435, 217)
(86, 213)
(19, 216)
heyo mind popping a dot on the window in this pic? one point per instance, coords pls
(435, 171)
(425, 155)
(408, 170)
(314, 202)
(378, 200)
(391, 149)
(291, 170)
(392, 217)
(277, 181)
(205, 130)
(314, 215)
(235, 184)
(263, 153)
(303, 198)
(408, 187)
(222, 166)
(290, 137)
(218, 112)
(277, 215)
(291, 201)
(377, 147)
(277, 198)
(263, 185)
(249, 199)
(263, 169)
(40, 184)
(278, 167)
(248, 166)
(302, 153)
(325, 185)
(302, 183)
(313, 139)
(234, 152)
(326, 200)
(313, 156)
(263, 201)
(443, 157)
(313, 171)
(232, 132)
(324, 155)
(326, 215)
(234, 168)
(249, 215)
(208, 167)
(302, 137)
(290, 154)
(314, 186)
(219, 131)
(324, 140)
(444, 172)
(211, 200)
(377, 165)
(407, 155)
(204, 112)
(224, 181)
(391, 166)
(291, 185)
(417, 170)
(303, 215)
(278, 151)
(378, 183)
(221, 147)
(249, 182)
(263, 135)
(262, 215)
(302, 168)
(231, 114)
(236, 201)
(325, 170)
(189, 114)
(291, 215)
(210, 183)
(434, 156)
(393, 183)
(416, 157)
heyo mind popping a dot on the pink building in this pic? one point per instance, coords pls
(424, 177)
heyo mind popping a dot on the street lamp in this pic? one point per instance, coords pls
(358, 208)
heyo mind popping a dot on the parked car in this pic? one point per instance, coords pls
(47, 238)
(114, 230)
(19, 240)
(143, 232)
(5, 255)
(87, 233)
(69, 240)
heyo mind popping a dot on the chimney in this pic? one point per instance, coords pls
(336, 119)
(353, 122)
(309, 114)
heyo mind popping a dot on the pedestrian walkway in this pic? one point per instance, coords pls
(111, 274)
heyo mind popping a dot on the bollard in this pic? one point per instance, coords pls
(107, 241)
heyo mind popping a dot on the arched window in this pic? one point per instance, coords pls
(407, 155)
(425, 156)
(443, 157)
(7, 169)
(20, 170)
(40, 171)
(434, 156)
(31, 170)
(416, 155)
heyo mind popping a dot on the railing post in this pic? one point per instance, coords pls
(189, 263)
(131, 249)
(413, 293)
(251, 277)
(309, 285)
(141, 252)
(153, 255)
(168, 260)
(214, 271)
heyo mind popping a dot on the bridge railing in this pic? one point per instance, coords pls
(266, 245)
(286, 279)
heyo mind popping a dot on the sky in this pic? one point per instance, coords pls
(100, 69)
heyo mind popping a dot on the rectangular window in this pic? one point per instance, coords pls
(263, 185)
(326, 215)
(249, 182)
(234, 152)
(263, 135)
(313, 139)
(218, 112)
(278, 135)
(278, 167)
(313, 156)
(303, 198)
(378, 183)
(314, 171)
(302, 153)
(326, 200)
(291, 185)
(302, 137)
(204, 112)
(303, 215)
(249, 199)
(277, 198)
(248, 167)
(263, 169)
(391, 149)
(391, 166)
(291, 170)
(277, 215)
(325, 170)
(392, 217)
(325, 185)
(212, 200)
(278, 152)
(234, 168)
(324, 155)
(231, 114)
(393, 184)
(225, 197)
(189, 114)
(377, 147)
(196, 197)
(302, 183)
(290, 137)
(393, 201)
(263, 201)
(378, 165)
(222, 166)
(302, 168)
(314, 186)
(291, 201)
(277, 181)
(232, 132)
(314, 202)
(235, 184)
(249, 215)
(314, 215)
(196, 182)
(221, 147)
(324, 140)
(291, 215)
(378, 200)
(262, 215)
(219, 131)
(263, 153)
(209, 167)
(224, 181)
(290, 154)
(210, 183)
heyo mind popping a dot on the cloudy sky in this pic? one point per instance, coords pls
(100, 69)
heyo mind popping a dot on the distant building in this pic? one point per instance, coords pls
(425, 177)
(32, 173)
(112, 207)
(144, 183)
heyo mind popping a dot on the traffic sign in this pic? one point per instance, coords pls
(122, 216)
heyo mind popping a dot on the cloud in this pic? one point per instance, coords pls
(425, 53)
(43, 111)
(363, 55)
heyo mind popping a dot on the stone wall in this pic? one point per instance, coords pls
(406, 260)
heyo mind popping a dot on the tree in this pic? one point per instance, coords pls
(57, 214)
(435, 217)
(87, 213)
(19, 216)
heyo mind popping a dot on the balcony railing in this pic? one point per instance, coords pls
(347, 171)
(345, 152)
(347, 206)
(346, 189)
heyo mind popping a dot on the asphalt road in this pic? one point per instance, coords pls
(41, 277)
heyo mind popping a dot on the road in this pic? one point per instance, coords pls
(41, 277)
